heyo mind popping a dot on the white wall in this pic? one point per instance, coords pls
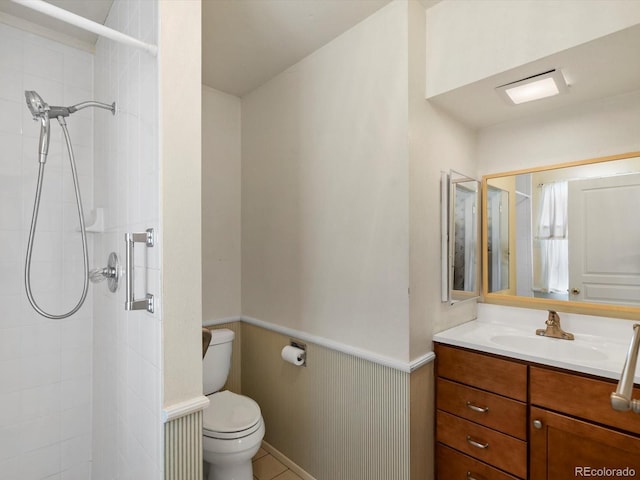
(437, 143)
(180, 65)
(220, 205)
(45, 365)
(325, 240)
(595, 129)
(127, 391)
(470, 40)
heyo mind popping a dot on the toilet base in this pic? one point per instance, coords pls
(231, 459)
(243, 471)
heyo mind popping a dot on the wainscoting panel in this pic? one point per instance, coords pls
(339, 418)
(183, 448)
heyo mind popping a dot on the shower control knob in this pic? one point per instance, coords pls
(537, 424)
(111, 273)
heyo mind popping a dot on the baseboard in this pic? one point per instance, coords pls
(282, 458)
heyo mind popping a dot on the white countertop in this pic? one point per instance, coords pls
(600, 346)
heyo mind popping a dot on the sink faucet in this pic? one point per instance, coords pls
(553, 329)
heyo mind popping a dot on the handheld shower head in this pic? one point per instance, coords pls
(40, 111)
(36, 105)
(43, 111)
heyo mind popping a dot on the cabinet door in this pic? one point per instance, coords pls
(566, 448)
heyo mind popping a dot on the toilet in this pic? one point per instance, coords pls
(232, 424)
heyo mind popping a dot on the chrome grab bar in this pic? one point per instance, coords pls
(621, 399)
(148, 238)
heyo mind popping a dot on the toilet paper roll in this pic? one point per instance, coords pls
(293, 355)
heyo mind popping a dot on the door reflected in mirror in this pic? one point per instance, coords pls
(573, 236)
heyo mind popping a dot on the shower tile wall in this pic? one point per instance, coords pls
(127, 403)
(45, 365)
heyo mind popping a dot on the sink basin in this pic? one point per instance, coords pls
(551, 347)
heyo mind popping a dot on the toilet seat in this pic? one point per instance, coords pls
(230, 416)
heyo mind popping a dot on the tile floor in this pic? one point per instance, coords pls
(266, 467)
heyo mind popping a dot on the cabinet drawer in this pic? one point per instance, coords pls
(500, 413)
(495, 448)
(452, 465)
(496, 375)
(582, 397)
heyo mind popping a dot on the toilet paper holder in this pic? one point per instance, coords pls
(301, 346)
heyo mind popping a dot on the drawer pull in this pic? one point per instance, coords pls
(476, 408)
(476, 444)
(471, 476)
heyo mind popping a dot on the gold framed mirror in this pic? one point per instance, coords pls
(564, 237)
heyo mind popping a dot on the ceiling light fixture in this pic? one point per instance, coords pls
(538, 86)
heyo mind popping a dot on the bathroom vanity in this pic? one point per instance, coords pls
(510, 406)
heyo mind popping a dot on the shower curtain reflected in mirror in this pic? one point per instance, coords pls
(551, 245)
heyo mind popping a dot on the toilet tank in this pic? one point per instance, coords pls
(217, 361)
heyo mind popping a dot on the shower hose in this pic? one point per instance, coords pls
(32, 233)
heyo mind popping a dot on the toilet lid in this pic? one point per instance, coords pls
(229, 412)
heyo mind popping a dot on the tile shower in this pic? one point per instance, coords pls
(80, 397)
(45, 366)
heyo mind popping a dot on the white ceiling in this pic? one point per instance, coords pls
(244, 42)
(247, 42)
(601, 68)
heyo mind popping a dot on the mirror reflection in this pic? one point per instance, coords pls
(464, 237)
(498, 238)
(574, 235)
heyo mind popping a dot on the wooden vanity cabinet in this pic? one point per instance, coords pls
(502, 419)
(574, 430)
(481, 417)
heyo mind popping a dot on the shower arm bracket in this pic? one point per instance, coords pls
(147, 303)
